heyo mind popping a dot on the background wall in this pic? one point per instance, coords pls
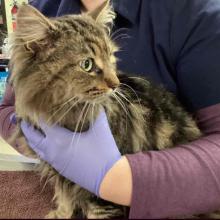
(10, 11)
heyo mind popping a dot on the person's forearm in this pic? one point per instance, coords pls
(167, 184)
(6, 109)
(117, 184)
(177, 182)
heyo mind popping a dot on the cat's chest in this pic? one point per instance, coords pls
(126, 127)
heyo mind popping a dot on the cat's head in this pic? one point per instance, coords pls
(56, 59)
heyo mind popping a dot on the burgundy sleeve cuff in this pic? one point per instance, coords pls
(137, 162)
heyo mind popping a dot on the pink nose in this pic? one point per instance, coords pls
(112, 84)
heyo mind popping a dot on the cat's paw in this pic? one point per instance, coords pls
(58, 214)
(103, 212)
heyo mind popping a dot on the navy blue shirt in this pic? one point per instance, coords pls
(175, 43)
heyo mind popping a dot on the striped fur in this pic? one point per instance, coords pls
(50, 84)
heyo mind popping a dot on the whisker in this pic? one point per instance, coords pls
(85, 117)
(118, 91)
(134, 93)
(139, 114)
(121, 36)
(126, 113)
(61, 107)
(78, 123)
(93, 119)
(130, 89)
(83, 123)
(139, 78)
(57, 105)
(74, 135)
(122, 105)
(93, 106)
(80, 117)
(67, 111)
(118, 31)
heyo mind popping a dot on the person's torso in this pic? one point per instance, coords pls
(142, 32)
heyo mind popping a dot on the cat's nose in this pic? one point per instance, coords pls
(112, 84)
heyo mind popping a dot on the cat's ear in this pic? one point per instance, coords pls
(104, 15)
(33, 27)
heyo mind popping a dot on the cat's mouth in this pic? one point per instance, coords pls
(95, 93)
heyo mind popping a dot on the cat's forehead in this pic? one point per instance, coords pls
(83, 31)
(82, 24)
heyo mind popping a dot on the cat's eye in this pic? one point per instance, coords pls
(87, 64)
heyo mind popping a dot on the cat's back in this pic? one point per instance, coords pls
(144, 116)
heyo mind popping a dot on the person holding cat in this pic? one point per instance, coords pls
(178, 44)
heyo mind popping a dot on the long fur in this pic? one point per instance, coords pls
(50, 84)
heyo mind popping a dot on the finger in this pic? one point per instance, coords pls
(55, 131)
(49, 130)
(45, 127)
(13, 118)
(32, 135)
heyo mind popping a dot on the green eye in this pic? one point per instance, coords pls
(87, 64)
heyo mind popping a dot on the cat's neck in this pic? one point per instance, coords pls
(79, 117)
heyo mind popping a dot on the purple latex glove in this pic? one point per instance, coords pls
(13, 118)
(83, 158)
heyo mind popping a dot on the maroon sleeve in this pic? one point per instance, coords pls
(6, 109)
(180, 181)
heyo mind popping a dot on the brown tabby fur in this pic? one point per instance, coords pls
(50, 84)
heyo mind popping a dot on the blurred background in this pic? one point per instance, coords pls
(8, 12)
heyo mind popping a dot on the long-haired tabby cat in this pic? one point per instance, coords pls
(64, 71)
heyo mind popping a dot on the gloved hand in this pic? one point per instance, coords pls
(13, 118)
(83, 158)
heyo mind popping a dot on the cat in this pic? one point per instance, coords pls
(64, 71)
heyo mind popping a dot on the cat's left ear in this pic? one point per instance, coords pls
(33, 29)
(104, 15)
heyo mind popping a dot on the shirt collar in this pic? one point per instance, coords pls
(127, 8)
(69, 7)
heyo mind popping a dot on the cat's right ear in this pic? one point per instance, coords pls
(104, 15)
(33, 28)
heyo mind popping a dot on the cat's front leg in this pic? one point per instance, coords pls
(92, 207)
(64, 199)
(108, 211)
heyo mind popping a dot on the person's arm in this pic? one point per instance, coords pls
(181, 181)
(6, 110)
(111, 190)
(185, 180)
